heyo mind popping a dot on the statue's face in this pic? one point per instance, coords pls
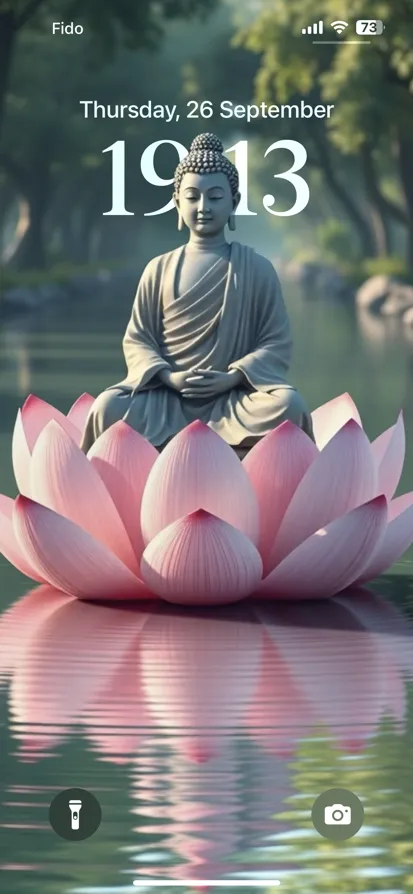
(205, 202)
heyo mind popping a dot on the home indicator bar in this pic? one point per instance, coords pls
(200, 883)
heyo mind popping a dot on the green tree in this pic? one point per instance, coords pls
(371, 88)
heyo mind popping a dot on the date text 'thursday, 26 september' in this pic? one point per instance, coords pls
(204, 110)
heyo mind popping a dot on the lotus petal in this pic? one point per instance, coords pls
(9, 546)
(389, 450)
(70, 558)
(332, 558)
(276, 465)
(30, 421)
(202, 560)
(79, 411)
(21, 456)
(198, 469)
(63, 479)
(398, 536)
(123, 459)
(342, 477)
(36, 414)
(330, 417)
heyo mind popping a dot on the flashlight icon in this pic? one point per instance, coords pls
(75, 808)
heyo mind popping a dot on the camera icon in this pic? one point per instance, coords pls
(337, 815)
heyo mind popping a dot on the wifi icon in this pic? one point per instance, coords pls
(339, 26)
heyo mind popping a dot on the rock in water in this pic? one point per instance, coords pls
(373, 293)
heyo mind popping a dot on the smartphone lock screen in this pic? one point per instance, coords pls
(206, 446)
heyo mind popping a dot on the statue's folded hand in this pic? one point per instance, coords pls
(175, 380)
(211, 382)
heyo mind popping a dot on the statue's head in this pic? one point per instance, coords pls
(206, 186)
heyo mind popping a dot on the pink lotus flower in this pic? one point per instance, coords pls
(194, 525)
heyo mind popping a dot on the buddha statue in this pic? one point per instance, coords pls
(209, 336)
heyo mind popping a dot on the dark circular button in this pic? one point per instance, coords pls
(75, 814)
(337, 814)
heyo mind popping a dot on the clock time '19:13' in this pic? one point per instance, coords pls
(240, 149)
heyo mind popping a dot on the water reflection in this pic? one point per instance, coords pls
(224, 725)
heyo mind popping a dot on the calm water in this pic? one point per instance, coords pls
(206, 736)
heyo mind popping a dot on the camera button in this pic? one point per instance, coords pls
(337, 814)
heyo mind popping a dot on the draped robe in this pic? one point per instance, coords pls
(233, 317)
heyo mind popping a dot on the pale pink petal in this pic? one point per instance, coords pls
(332, 558)
(330, 417)
(21, 456)
(63, 479)
(388, 451)
(201, 560)
(342, 477)
(79, 411)
(398, 536)
(8, 543)
(123, 459)
(36, 413)
(276, 466)
(198, 469)
(70, 558)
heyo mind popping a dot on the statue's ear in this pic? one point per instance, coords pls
(236, 200)
(176, 200)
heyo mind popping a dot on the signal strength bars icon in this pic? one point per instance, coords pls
(317, 28)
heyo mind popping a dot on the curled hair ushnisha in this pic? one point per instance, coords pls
(206, 157)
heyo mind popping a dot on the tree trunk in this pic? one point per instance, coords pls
(31, 253)
(406, 176)
(7, 38)
(344, 197)
(378, 213)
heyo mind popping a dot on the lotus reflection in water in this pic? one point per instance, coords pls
(195, 525)
(169, 692)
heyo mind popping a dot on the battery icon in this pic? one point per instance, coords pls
(369, 27)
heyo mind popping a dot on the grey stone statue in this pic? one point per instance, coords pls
(209, 336)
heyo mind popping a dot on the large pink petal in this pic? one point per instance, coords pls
(276, 466)
(201, 560)
(36, 414)
(330, 417)
(79, 411)
(21, 456)
(70, 558)
(332, 558)
(8, 543)
(388, 451)
(63, 479)
(397, 538)
(198, 469)
(124, 459)
(30, 421)
(342, 477)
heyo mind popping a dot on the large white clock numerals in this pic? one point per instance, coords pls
(150, 175)
(302, 192)
(118, 179)
(240, 150)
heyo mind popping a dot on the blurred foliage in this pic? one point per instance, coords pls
(372, 122)
(336, 241)
(391, 266)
